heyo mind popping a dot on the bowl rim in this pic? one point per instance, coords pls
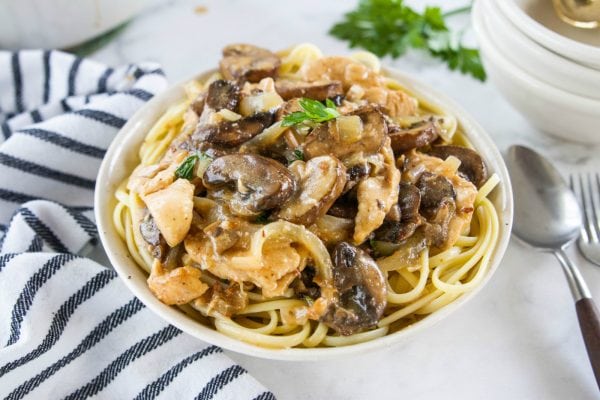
(572, 49)
(539, 58)
(135, 278)
(548, 92)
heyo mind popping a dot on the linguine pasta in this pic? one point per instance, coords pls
(254, 220)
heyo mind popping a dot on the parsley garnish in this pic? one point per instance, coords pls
(186, 169)
(298, 155)
(389, 27)
(314, 112)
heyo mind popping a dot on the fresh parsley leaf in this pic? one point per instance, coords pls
(298, 155)
(314, 112)
(389, 27)
(186, 169)
(294, 118)
(330, 104)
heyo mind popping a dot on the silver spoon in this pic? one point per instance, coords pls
(547, 216)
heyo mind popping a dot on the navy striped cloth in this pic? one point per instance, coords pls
(68, 327)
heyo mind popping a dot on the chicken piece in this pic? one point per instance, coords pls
(341, 69)
(245, 62)
(178, 286)
(172, 209)
(280, 264)
(376, 195)
(148, 179)
(395, 103)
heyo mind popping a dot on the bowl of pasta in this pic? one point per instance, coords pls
(296, 206)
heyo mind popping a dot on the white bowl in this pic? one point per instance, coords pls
(59, 24)
(555, 111)
(536, 59)
(575, 50)
(122, 157)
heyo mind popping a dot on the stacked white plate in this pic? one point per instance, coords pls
(553, 80)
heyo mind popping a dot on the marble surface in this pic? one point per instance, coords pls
(518, 339)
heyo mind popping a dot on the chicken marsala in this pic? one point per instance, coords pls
(301, 200)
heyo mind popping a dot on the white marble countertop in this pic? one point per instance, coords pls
(518, 339)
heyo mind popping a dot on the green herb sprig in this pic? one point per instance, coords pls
(314, 112)
(298, 155)
(186, 169)
(389, 27)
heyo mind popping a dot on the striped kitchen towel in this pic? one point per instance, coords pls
(68, 327)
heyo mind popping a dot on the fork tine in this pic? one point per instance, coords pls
(575, 183)
(588, 207)
(595, 194)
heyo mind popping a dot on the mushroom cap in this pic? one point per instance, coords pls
(472, 166)
(245, 62)
(423, 134)
(233, 133)
(250, 182)
(361, 289)
(320, 182)
(319, 90)
(223, 94)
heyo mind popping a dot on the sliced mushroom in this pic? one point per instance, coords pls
(233, 133)
(250, 183)
(245, 62)
(343, 208)
(225, 300)
(171, 209)
(447, 199)
(395, 231)
(150, 231)
(320, 182)
(355, 174)
(419, 135)
(221, 238)
(471, 167)
(361, 291)
(198, 104)
(318, 90)
(435, 190)
(306, 284)
(328, 139)
(223, 94)
(409, 200)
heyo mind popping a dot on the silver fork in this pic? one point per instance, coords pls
(587, 189)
